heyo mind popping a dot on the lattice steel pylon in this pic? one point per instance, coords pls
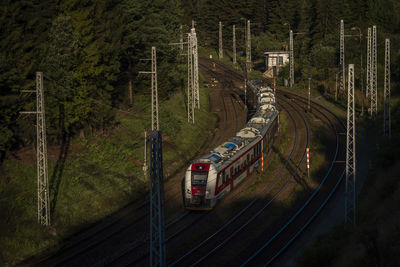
(342, 81)
(374, 78)
(291, 59)
(386, 96)
(157, 226)
(248, 47)
(190, 94)
(369, 59)
(220, 51)
(350, 194)
(41, 152)
(196, 92)
(43, 180)
(234, 44)
(154, 90)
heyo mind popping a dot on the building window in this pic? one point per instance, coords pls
(280, 61)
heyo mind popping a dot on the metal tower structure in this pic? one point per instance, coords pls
(157, 226)
(154, 89)
(342, 81)
(374, 78)
(41, 152)
(350, 195)
(248, 47)
(386, 109)
(190, 93)
(291, 59)
(369, 56)
(196, 92)
(234, 44)
(221, 52)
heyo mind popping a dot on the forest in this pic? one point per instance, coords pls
(91, 52)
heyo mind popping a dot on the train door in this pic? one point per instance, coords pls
(231, 178)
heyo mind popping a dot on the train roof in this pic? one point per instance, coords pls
(254, 129)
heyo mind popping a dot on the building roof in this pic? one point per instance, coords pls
(275, 52)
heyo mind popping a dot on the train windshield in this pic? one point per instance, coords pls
(199, 178)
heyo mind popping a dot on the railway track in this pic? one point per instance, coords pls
(202, 258)
(141, 260)
(234, 225)
(87, 246)
(178, 226)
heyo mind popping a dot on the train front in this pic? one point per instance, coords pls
(200, 186)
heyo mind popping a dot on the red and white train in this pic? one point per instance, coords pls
(216, 174)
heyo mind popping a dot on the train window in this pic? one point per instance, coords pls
(219, 180)
(199, 178)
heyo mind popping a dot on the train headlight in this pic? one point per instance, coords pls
(188, 191)
(207, 192)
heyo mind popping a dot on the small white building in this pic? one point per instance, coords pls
(275, 58)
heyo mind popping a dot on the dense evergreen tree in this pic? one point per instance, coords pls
(90, 51)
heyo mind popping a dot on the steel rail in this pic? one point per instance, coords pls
(251, 203)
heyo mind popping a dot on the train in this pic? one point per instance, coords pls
(213, 176)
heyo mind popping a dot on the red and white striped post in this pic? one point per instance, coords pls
(308, 162)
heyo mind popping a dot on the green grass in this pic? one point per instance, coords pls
(101, 176)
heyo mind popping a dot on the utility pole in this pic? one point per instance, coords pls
(193, 22)
(190, 93)
(192, 79)
(154, 89)
(342, 86)
(234, 44)
(291, 59)
(157, 230)
(145, 156)
(386, 110)
(369, 59)
(193, 39)
(374, 84)
(221, 52)
(181, 38)
(274, 73)
(350, 195)
(41, 152)
(309, 87)
(248, 47)
(157, 226)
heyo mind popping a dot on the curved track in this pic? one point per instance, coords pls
(122, 231)
(123, 242)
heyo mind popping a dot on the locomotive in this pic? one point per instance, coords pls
(214, 175)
